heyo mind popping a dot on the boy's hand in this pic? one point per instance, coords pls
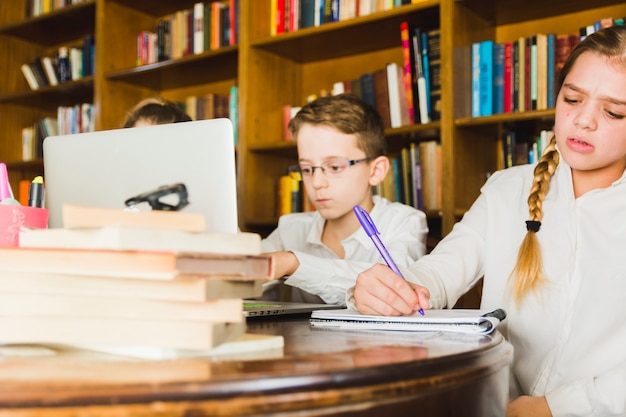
(380, 291)
(528, 406)
(285, 263)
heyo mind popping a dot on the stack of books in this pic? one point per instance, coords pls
(116, 286)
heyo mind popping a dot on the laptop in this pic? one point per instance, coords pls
(105, 168)
(261, 308)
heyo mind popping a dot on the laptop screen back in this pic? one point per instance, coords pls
(105, 168)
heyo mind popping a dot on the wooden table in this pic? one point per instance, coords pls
(325, 372)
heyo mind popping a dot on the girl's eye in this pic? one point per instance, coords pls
(570, 100)
(616, 116)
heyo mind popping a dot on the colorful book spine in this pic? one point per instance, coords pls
(486, 77)
(499, 93)
(476, 79)
(507, 88)
(407, 75)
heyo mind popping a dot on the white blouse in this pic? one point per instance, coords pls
(569, 337)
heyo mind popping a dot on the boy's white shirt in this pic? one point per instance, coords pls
(403, 229)
(569, 338)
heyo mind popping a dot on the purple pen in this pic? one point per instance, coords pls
(370, 229)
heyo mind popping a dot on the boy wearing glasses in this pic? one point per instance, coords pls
(341, 156)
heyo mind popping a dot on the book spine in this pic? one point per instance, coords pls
(407, 74)
(198, 28)
(499, 79)
(515, 77)
(434, 74)
(551, 65)
(521, 74)
(508, 89)
(29, 76)
(420, 83)
(476, 79)
(426, 69)
(533, 73)
(486, 77)
(381, 95)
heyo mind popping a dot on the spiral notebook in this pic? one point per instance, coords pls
(455, 320)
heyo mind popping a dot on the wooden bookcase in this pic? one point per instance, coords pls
(272, 71)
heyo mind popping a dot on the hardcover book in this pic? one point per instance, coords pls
(166, 265)
(185, 288)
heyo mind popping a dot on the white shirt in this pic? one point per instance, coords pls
(570, 338)
(403, 230)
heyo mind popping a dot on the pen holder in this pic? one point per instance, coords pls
(13, 218)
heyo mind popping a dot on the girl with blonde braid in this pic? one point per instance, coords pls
(550, 242)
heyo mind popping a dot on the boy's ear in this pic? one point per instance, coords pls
(378, 170)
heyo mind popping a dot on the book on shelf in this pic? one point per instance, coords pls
(433, 39)
(29, 75)
(475, 83)
(415, 165)
(542, 71)
(185, 288)
(508, 93)
(40, 72)
(166, 265)
(551, 87)
(308, 13)
(498, 78)
(533, 73)
(467, 321)
(398, 99)
(485, 64)
(366, 81)
(519, 78)
(381, 95)
(409, 75)
(430, 162)
(50, 70)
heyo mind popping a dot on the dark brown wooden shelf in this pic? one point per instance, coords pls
(505, 118)
(49, 98)
(157, 8)
(515, 11)
(350, 37)
(211, 66)
(76, 21)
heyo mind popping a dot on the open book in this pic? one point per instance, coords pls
(456, 320)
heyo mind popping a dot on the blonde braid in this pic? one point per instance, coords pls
(528, 270)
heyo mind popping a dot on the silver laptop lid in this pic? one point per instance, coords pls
(105, 168)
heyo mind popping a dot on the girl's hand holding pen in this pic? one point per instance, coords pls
(380, 291)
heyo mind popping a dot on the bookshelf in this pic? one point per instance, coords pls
(272, 71)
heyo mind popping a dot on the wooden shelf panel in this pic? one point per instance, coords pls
(217, 65)
(350, 37)
(49, 98)
(76, 21)
(515, 11)
(157, 8)
(506, 118)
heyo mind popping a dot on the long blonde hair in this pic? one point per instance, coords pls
(528, 274)
(528, 270)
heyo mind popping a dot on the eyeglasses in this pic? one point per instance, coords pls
(333, 166)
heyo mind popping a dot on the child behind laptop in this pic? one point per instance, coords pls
(341, 156)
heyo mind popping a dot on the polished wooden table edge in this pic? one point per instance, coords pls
(493, 354)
